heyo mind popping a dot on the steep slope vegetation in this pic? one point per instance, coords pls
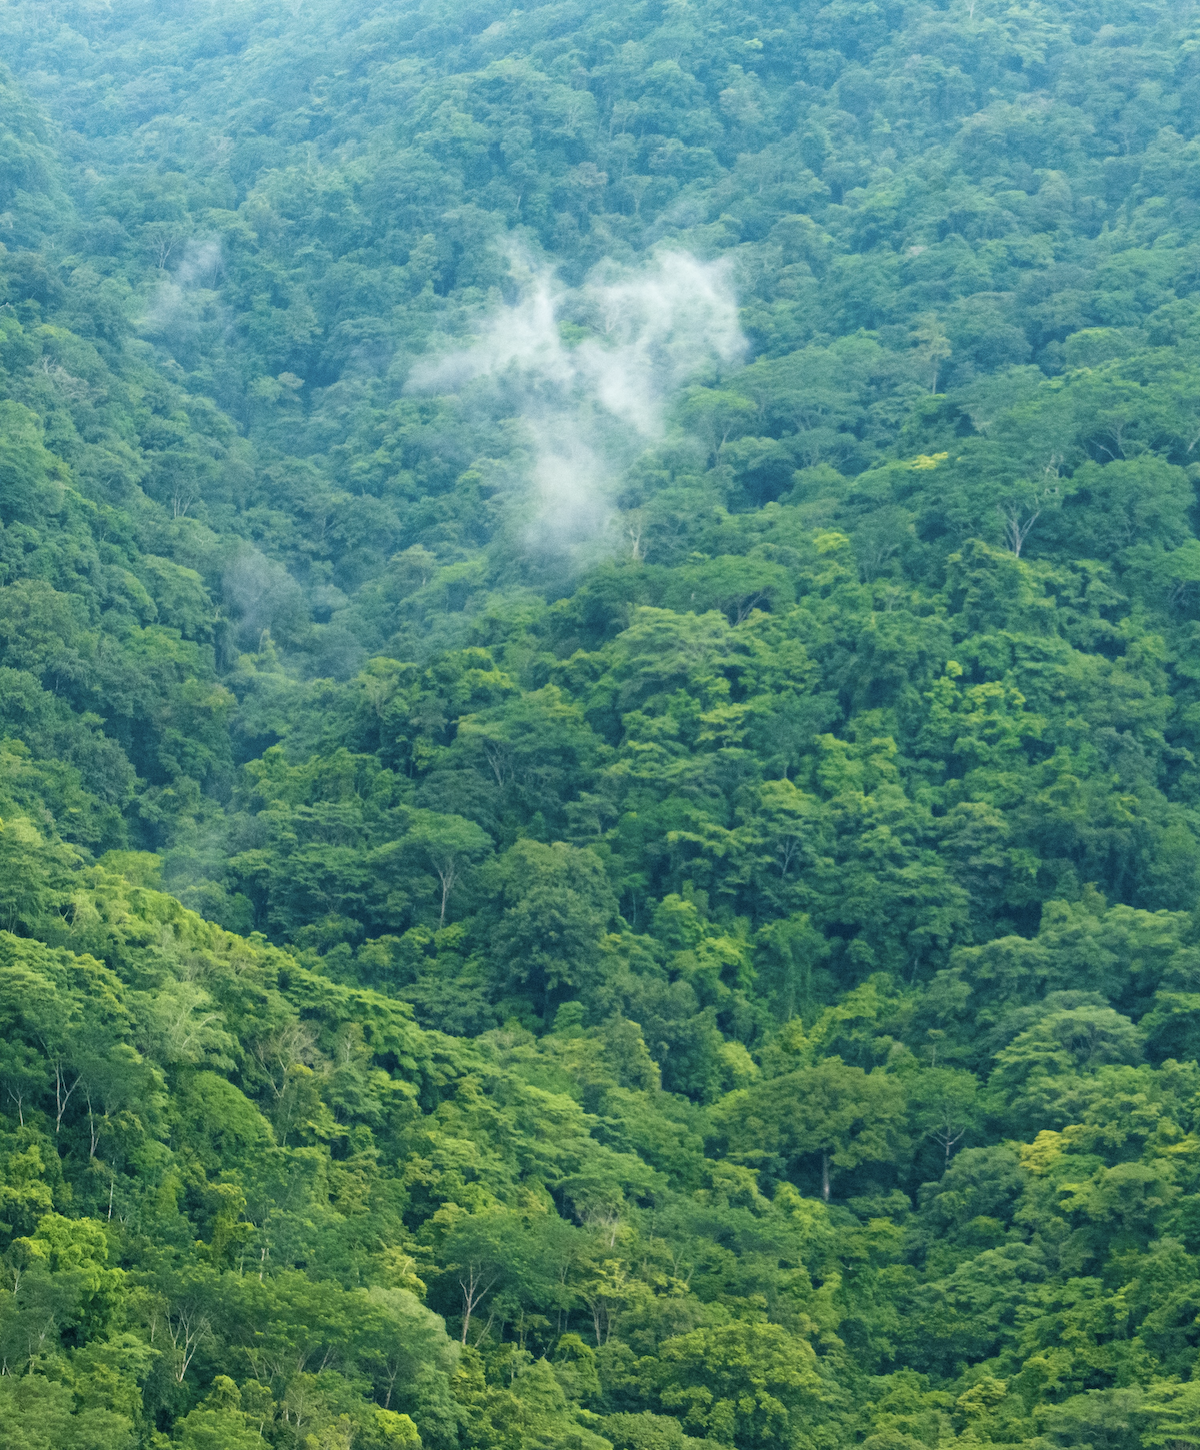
(578, 867)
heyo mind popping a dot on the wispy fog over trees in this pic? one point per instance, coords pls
(599, 714)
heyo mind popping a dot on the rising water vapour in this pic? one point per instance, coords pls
(589, 406)
(184, 300)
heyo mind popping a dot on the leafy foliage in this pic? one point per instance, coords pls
(521, 932)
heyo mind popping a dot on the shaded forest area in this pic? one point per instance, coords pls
(599, 712)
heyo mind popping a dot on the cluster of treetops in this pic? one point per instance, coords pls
(738, 989)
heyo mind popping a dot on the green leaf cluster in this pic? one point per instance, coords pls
(728, 980)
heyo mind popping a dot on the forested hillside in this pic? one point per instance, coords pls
(599, 714)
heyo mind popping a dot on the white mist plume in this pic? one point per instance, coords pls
(172, 313)
(588, 407)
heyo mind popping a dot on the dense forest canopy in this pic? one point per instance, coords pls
(599, 714)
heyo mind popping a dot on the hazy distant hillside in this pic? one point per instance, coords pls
(599, 714)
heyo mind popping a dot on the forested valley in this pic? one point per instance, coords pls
(599, 725)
